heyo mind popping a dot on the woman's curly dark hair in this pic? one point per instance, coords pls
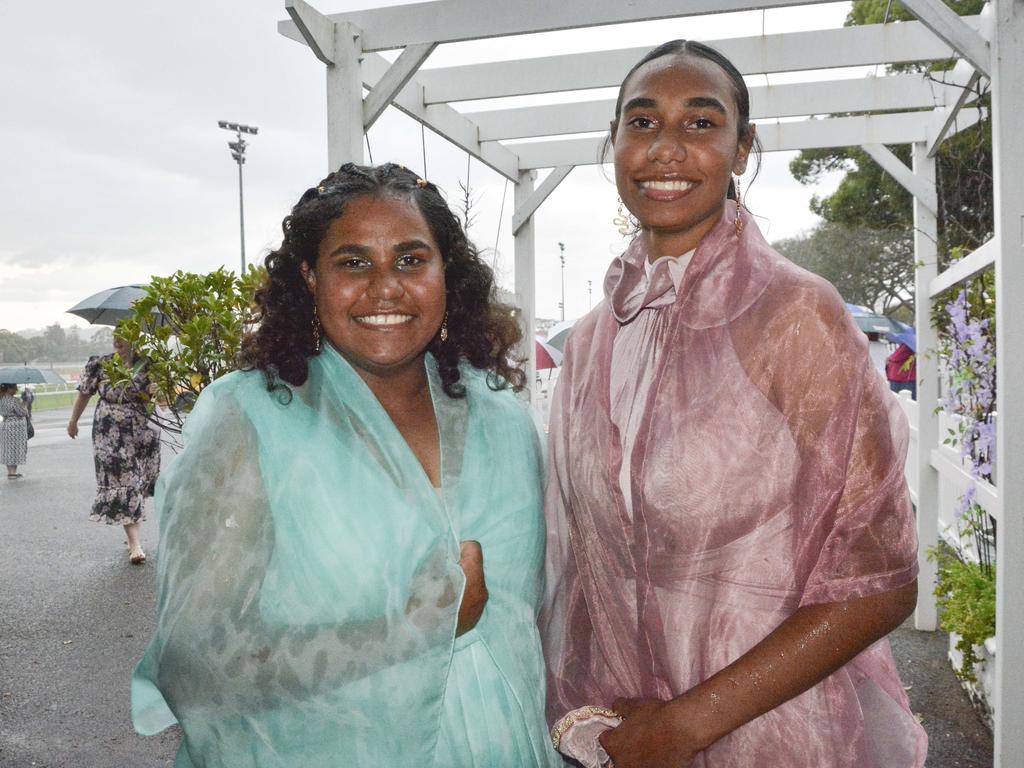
(481, 330)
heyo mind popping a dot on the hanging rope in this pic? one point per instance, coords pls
(369, 151)
(885, 20)
(501, 212)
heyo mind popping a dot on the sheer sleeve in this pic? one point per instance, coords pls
(566, 620)
(856, 526)
(240, 656)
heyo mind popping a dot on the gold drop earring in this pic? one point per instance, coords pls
(624, 221)
(739, 207)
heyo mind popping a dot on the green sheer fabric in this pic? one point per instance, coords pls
(309, 582)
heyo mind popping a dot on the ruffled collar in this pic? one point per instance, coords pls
(725, 276)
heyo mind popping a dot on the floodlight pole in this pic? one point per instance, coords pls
(237, 148)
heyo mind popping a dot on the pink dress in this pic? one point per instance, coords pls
(765, 473)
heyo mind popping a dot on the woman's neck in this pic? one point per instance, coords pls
(397, 389)
(666, 241)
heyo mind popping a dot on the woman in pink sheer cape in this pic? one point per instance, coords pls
(730, 534)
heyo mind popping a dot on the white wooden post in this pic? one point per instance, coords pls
(926, 258)
(345, 99)
(525, 274)
(1008, 172)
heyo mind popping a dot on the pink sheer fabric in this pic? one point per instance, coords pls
(766, 474)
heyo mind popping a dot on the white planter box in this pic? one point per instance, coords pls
(980, 692)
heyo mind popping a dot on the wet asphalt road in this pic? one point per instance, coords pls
(75, 616)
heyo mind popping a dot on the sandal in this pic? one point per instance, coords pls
(138, 557)
(15, 476)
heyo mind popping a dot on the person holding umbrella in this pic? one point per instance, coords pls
(126, 448)
(13, 430)
(901, 365)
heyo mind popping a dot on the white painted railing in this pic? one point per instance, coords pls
(954, 474)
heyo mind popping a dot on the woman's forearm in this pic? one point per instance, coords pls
(79, 407)
(806, 648)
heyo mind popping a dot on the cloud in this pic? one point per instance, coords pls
(115, 169)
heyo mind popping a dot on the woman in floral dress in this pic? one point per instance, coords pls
(126, 448)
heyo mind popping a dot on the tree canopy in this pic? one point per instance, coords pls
(55, 344)
(869, 198)
(872, 267)
(204, 318)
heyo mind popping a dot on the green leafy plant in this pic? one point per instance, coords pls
(966, 585)
(966, 595)
(188, 328)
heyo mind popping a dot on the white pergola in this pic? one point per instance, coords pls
(882, 110)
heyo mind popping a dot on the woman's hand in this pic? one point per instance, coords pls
(474, 598)
(76, 412)
(650, 736)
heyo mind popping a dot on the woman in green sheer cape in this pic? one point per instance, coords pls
(325, 533)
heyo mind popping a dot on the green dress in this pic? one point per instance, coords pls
(309, 583)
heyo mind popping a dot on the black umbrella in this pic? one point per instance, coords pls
(113, 305)
(25, 375)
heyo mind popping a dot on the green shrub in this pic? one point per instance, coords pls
(966, 595)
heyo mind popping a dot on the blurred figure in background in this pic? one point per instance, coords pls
(901, 370)
(27, 398)
(13, 430)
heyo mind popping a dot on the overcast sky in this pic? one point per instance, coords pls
(114, 169)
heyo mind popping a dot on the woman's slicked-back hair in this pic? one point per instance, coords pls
(739, 89)
(481, 330)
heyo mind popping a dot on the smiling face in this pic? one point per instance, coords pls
(379, 285)
(676, 148)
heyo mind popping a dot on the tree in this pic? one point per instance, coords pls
(54, 343)
(873, 267)
(204, 320)
(868, 196)
(16, 350)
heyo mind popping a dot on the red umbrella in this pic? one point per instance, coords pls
(547, 356)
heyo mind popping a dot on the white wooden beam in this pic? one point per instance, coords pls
(529, 206)
(975, 262)
(950, 466)
(921, 188)
(525, 276)
(447, 21)
(869, 94)
(344, 99)
(944, 22)
(945, 119)
(926, 233)
(1008, 207)
(315, 29)
(442, 119)
(897, 128)
(394, 80)
(788, 52)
